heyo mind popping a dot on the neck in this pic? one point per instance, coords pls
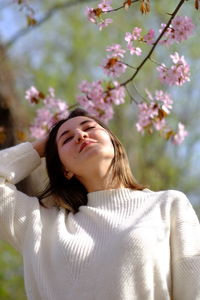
(98, 182)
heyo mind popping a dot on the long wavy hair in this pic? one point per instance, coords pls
(71, 193)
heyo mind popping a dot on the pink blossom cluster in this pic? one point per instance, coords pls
(179, 137)
(152, 114)
(132, 37)
(179, 30)
(33, 95)
(112, 65)
(53, 110)
(99, 101)
(94, 15)
(149, 38)
(177, 74)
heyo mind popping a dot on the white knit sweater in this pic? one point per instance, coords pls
(124, 245)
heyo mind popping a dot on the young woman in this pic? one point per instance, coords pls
(106, 237)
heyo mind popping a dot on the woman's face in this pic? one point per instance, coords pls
(84, 145)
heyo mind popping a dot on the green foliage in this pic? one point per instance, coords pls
(11, 274)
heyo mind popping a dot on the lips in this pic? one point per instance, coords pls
(84, 144)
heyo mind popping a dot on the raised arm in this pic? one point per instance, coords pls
(16, 208)
(39, 146)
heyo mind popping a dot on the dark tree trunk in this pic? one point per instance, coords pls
(7, 137)
(8, 101)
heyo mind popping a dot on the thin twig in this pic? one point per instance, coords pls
(131, 97)
(118, 8)
(155, 62)
(154, 45)
(143, 97)
(128, 65)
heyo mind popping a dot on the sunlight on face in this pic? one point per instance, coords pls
(84, 145)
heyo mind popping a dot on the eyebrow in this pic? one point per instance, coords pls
(66, 131)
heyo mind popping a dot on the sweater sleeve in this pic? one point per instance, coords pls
(185, 250)
(16, 207)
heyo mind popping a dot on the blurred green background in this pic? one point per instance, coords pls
(67, 49)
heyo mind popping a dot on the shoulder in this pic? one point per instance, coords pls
(173, 199)
(176, 204)
(167, 195)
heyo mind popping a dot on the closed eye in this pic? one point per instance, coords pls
(67, 140)
(71, 137)
(90, 127)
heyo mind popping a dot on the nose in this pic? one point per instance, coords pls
(80, 135)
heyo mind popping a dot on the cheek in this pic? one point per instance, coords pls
(66, 155)
(108, 143)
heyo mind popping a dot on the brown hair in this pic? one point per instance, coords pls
(71, 193)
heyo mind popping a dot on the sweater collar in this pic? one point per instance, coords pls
(119, 197)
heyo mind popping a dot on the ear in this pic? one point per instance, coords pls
(68, 174)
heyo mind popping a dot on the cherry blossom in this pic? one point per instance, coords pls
(130, 38)
(112, 65)
(149, 37)
(135, 50)
(180, 29)
(117, 94)
(105, 5)
(179, 137)
(116, 50)
(94, 15)
(99, 101)
(91, 15)
(33, 95)
(166, 101)
(104, 23)
(152, 114)
(53, 110)
(147, 113)
(134, 36)
(177, 74)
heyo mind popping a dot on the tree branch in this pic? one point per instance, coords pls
(43, 19)
(154, 45)
(131, 97)
(118, 8)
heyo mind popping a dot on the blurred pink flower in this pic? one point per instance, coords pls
(117, 95)
(53, 110)
(32, 95)
(116, 50)
(91, 15)
(99, 102)
(180, 29)
(152, 114)
(104, 23)
(105, 5)
(130, 38)
(166, 101)
(179, 137)
(149, 37)
(113, 67)
(134, 36)
(135, 50)
(177, 74)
